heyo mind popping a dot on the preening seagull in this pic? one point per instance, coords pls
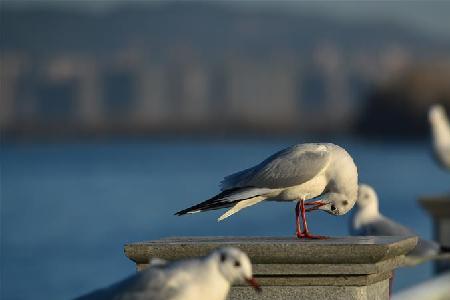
(367, 220)
(203, 278)
(440, 129)
(298, 173)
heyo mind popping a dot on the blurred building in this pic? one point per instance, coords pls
(400, 106)
(172, 69)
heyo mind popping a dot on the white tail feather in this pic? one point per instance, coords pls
(240, 205)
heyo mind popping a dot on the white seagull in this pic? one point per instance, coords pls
(298, 173)
(206, 278)
(367, 220)
(440, 129)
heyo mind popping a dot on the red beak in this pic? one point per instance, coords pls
(254, 284)
(315, 205)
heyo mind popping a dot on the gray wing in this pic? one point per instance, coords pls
(425, 248)
(384, 226)
(148, 284)
(291, 166)
(387, 227)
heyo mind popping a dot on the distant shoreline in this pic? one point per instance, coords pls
(206, 135)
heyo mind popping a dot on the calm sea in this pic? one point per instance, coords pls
(68, 208)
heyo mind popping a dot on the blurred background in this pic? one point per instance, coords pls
(116, 114)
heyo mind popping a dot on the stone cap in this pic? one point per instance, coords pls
(437, 206)
(280, 250)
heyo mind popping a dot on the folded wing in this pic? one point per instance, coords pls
(292, 166)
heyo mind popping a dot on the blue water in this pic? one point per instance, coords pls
(67, 209)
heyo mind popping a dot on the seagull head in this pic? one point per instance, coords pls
(436, 113)
(332, 203)
(235, 266)
(367, 199)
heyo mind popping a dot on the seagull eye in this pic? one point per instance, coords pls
(223, 257)
(237, 263)
(345, 202)
(333, 207)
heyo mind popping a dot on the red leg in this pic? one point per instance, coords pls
(305, 232)
(302, 208)
(298, 230)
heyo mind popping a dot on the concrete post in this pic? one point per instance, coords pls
(439, 209)
(337, 268)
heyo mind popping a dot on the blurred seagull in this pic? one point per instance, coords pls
(203, 278)
(367, 221)
(440, 128)
(298, 173)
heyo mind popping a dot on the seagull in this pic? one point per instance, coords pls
(367, 220)
(440, 128)
(297, 173)
(202, 278)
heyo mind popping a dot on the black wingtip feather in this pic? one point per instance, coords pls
(211, 204)
(184, 211)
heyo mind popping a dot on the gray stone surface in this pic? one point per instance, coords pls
(376, 291)
(288, 268)
(439, 209)
(438, 206)
(281, 250)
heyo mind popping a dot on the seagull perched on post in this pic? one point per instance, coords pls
(440, 129)
(298, 173)
(367, 220)
(203, 278)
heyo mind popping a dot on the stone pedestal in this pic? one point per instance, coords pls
(439, 209)
(287, 268)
